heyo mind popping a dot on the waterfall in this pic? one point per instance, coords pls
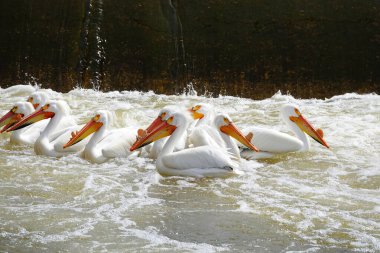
(170, 12)
(92, 54)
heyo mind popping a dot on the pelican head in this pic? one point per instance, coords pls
(38, 99)
(165, 129)
(47, 111)
(18, 111)
(202, 110)
(224, 123)
(294, 119)
(102, 118)
(162, 116)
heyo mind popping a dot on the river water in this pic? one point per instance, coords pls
(317, 201)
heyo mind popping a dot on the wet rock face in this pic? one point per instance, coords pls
(243, 47)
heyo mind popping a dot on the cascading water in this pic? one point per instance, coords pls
(169, 9)
(92, 54)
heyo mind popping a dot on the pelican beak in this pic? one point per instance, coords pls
(31, 119)
(9, 119)
(196, 114)
(234, 132)
(91, 127)
(161, 131)
(30, 100)
(158, 121)
(304, 125)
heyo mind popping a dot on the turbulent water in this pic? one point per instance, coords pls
(317, 201)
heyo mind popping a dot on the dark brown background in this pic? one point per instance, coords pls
(249, 48)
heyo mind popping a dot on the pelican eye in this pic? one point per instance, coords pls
(170, 120)
(96, 118)
(226, 121)
(14, 109)
(45, 107)
(30, 100)
(163, 115)
(297, 111)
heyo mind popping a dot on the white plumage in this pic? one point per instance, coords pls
(104, 143)
(205, 161)
(271, 142)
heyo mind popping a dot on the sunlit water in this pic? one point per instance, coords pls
(317, 201)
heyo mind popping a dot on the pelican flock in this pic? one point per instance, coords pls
(199, 141)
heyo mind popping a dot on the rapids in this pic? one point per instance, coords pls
(317, 201)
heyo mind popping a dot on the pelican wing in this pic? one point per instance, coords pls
(205, 157)
(269, 140)
(205, 135)
(66, 124)
(118, 142)
(32, 132)
(156, 148)
(63, 136)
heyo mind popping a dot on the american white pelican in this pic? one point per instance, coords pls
(204, 112)
(38, 99)
(155, 149)
(271, 142)
(18, 111)
(218, 134)
(57, 132)
(24, 136)
(227, 129)
(204, 132)
(104, 144)
(29, 134)
(202, 161)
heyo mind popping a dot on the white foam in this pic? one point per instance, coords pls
(324, 198)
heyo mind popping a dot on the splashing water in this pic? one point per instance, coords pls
(321, 200)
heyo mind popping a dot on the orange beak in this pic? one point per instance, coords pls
(161, 131)
(158, 121)
(91, 127)
(9, 119)
(304, 125)
(31, 119)
(235, 133)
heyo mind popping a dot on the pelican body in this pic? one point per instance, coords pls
(271, 142)
(216, 131)
(104, 143)
(204, 161)
(52, 138)
(27, 135)
(155, 149)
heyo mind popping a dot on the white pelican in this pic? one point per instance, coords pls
(271, 142)
(227, 129)
(204, 132)
(218, 134)
(38, 99)
(155, 149)
(104, 144)
(204, 112)
(24, 136)
(27, 135)
(201, 161)
(57, 132)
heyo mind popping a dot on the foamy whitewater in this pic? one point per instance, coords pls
(317, 201)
